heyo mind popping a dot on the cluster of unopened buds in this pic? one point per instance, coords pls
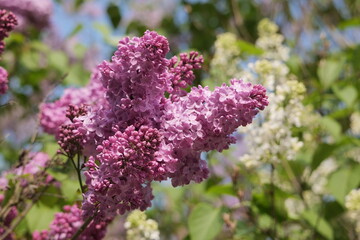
(140, 125)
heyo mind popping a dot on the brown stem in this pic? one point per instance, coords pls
(21, 216)
(272, 195)
(238, 20)
(84, 226)
(295, 181)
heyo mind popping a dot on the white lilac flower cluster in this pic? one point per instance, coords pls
(355, 123)
(138, 227)
(354, 153)
(271, 41)
(225, 63)
(271, 139)
(352, 203)
(318, 179)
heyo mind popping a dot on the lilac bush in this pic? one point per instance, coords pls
(119, 156)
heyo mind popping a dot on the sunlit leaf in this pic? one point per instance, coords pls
(76, 30)
(58, 60)
(318, 223)
(352, 22)
(249, 48)
(221, 189)
(204, 222)
(329, 70)
(331, 126)
(40, 216)
(348, 94)
(343, 181)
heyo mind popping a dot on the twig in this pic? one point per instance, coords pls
(240, 197)
(21, 216)
(84, 226)
(318, 218)
(295, 181)
(272, 196)
(238, 20)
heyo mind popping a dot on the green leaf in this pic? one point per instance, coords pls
(10, 190)
(59, 61)
(352, 22)
(205, 222)
(51, 148)
(76, 30)
(249, 48)
(221, 189)
(106, 34)
(40, 46)
(70, 189)
(15, 37)
(243, 229)
(50, 197)
(329, 70)
(265, 221)
(260, 200)
(322, 152)
(40, 216)
(59, 176)
(341, 182)
(30, 60)
(77, 75)
(103, 29)
(322, 226)
(114, 14)
(21, 229)
(331, 126)
(78, 3)
(80, 50)
(348, 94)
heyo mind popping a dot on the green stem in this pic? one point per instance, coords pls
(78, 172)
(295, 181)
(272, 195)
(317, 222)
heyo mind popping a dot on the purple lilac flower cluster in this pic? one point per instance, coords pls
(70, 139)
(53, 115)
(35, 12)
(8, 22)
(182, 71)
(27, 172)
(134, 134)
(66, 224)
(3, 81)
